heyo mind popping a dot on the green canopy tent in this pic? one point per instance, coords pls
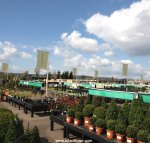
(113, 94)
(145, 97)
(32, 83)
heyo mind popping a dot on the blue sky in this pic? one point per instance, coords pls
(89, 34)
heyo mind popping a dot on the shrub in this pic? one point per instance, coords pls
(139, 114)
(124, 113)
(88, 110)
(79, 115)
(148, 138)
(120, 129)
(142, 135)
(5, 110)
(103, 103)
(138, 124)
(148, 113)
(131, 131)
(100, 112)
(135, 104)
(111, 125)
(126, 109)
(145, 107)
(60, 106)
(15, 131)
(35, 137)
(80, 105)
(146, 124)
(81, 101)
(112, 111)
(88, 100)
(71, 112)
(92, 120)
(121, 116)
(100, 123)
(6, 116)
(96, 101)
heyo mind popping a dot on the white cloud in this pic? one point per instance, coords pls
(7, 50)
(56, 50)
(126, 28)
(108, 53)
(126, 61)
(25, 55)
(87, 66)
(75, 40)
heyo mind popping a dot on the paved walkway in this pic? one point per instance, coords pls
(39, 120)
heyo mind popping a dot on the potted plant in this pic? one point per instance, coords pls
(92, 122)
(100, 112)
(110, 129)
(100, 126)
(142, 136)
(112, 111)
(131, 132)
(96, 101)
(120, 130)
(78, 118)
(88, 100)
(148, 138)
(70, 115)
(88, 112)
(80, 105)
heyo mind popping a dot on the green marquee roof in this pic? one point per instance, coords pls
(31, 83)
(113, 94)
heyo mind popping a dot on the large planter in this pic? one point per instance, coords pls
(99, 131)
(86, 121)
(110, 134)
(77, 122)
(130, 140)
(69, 119)
(91, 128)
(120, 138)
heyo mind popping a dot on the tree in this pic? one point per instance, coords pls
(65, 75)
(37, 71)
(58, 75)
(49, 75)
(24, 75)
(70, 75)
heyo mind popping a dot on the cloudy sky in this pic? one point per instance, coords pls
(87, 34)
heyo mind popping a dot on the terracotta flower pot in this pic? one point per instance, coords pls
(77, 122)
(91, 128)
(130, 140)
(120, 138)
(6, 93)
(99, 131)
(69, 119)
(110, 134)
(86, 121)
(140, 142)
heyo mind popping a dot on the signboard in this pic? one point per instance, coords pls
(96, 73)
(42, 60)
(74, 71)
(125, 69)
(4, 67)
